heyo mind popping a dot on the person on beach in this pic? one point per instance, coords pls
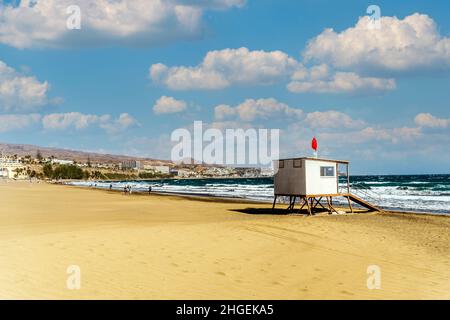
(110, 187)
(149, 189)
(125, 189)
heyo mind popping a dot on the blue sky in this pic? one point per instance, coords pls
(379, 98)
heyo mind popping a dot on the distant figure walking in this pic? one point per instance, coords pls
(110, 187)
(129, 189)
(125, 190)
(149, 189)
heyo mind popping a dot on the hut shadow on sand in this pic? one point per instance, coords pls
(276, 211)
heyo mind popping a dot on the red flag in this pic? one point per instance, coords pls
(314, 144)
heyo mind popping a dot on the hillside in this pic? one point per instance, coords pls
(66, 154)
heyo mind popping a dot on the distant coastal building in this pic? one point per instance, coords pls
(186, 173)
(62, 162)
(267, 172)
(130, 164)
(159, 169)
(11, 168)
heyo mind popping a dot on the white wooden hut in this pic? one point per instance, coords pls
(311, 180)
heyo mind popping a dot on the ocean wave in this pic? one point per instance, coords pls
(410, 195)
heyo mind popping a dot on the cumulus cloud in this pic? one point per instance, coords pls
(252, 109)
(427, 120)
(10, 122)
(169, 105)
(122, 123)
(43, 23)
(20, 93)
(412, 43)
(394, 135)
(340, 82)
(80, 121)
(223, 68)
(331, 119)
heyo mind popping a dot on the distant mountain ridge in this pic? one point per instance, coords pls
(67, 154)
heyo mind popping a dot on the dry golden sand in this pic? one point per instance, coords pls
(164, 247)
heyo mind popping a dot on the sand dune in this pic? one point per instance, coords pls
(164, 247)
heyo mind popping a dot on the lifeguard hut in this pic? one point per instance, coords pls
(312, 180)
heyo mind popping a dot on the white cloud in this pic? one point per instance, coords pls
(331, 119)
(10, 122)
(430, 121)
(220, 69)
(251, 109)
(20, 93)
(77, 120)
(371, 134)
(169, 105)
(412, 43)
(42, 23)
(318, 79)
(80, 121)
(120, 124)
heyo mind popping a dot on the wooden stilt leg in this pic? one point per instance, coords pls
(290, 203)
(319, 204)
(274, 202)
(303, 204)
(329, 205)
(309, 207)
(350, 204)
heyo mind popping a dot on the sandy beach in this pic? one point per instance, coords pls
(168, 247)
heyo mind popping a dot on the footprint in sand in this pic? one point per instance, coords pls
(347, 293)
(174, 264)
(220, 273)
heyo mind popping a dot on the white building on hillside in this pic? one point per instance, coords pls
(159, 169)
(12, 169)
(62, 162)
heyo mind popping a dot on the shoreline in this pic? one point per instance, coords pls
(199, 196)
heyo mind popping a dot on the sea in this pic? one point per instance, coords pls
(414, 193)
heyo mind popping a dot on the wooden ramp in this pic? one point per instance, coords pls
(361, 202)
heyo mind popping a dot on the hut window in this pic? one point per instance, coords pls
(281, 164)
(297, 163)
(327, 171)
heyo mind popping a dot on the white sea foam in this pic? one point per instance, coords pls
(389, 197)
